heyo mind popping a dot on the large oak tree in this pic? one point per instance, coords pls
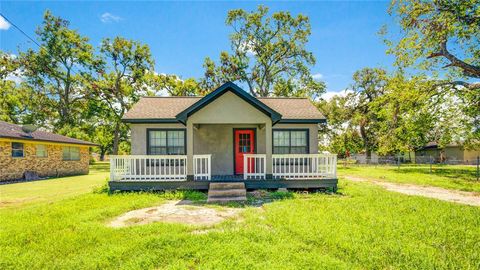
(268, 54)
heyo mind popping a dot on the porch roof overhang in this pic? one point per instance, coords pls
(229, 86)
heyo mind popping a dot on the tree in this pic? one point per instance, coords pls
(268, 55)
(11, 106)
(368, 87)
(440, 34)
(339, 136)
(174, 86)
(407, 114)
(58, 70)
(122, 80)
(443, 38)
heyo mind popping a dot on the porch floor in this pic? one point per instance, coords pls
(227, 178)
(139, 185)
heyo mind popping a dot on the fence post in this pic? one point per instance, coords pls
(430, 164)
(478, 168)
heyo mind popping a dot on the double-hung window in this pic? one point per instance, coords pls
(71, 153)
(290, 141)
(166, 142)
(17, 149)
(41, 150)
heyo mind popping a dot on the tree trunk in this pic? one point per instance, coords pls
(102, 154)
(116, 138)
(363, 133)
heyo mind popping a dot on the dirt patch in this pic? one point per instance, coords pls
(462, 197)
(175, 212)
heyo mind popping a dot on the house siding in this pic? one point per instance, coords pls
(210, 131)
(217, 140)
(53, 165)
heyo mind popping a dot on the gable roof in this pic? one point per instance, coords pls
(229, 86)
(175, 109)
(12, 131)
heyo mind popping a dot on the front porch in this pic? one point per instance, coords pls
(167, 172)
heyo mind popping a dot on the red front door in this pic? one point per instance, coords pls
(244, 144)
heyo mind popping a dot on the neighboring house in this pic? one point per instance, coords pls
(452, 153)
(228, 135)
(40, 153)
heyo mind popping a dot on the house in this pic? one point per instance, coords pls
(225, 136)
(451, 153)
(42, 153)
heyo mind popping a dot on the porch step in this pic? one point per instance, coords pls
(227, 200)
(226, 192)
(227, 185)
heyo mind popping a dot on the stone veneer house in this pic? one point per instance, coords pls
(226, 136)
(44, 153)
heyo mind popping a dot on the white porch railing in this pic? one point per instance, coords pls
(254, 166)
(304, 166)
(148, 167)
(202, 167)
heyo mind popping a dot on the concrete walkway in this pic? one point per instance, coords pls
(462, 197)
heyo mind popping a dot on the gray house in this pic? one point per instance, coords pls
(225, 136)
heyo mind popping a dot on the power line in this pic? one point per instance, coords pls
(21, 31)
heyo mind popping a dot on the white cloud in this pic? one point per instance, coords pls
(330, 94)
(317, 76)
(4, 25)
(109, 18)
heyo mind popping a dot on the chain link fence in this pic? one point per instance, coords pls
(423, 163)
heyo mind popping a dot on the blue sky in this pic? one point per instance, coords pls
(181, 34)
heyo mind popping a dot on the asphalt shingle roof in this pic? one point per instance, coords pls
(12, 131)
(169, 107)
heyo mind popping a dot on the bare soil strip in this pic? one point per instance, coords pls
(462, 197)
(175, 212)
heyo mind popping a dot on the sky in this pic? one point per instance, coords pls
(181, 34)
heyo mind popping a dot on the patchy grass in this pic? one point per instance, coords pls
(365, 227)
(458, 177)
(54, 189)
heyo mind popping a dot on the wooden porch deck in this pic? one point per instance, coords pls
(151, 185)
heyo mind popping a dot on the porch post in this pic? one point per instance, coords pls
(189, 150)
(269, 143)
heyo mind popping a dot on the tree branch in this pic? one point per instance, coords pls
(468, 70)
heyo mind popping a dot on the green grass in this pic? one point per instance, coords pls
(365, 227)
(457, 177)
(13, 195)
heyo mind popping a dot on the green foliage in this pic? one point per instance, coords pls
(268, 54)
(174, 86)
(441, 38)
(433, 31)
(368, 88)
(122, 80)
(57, 71)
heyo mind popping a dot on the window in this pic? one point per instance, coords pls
(71, 153)
(166, 142)
(290, 141)
(17, 149)
(41, 150)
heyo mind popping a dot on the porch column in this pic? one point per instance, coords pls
(268, 145)
(189, 150)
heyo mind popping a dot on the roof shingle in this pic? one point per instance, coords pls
(169, 107)
(12, 131)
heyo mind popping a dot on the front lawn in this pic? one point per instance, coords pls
(459, 177)
(365, 227)
(50, 190)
